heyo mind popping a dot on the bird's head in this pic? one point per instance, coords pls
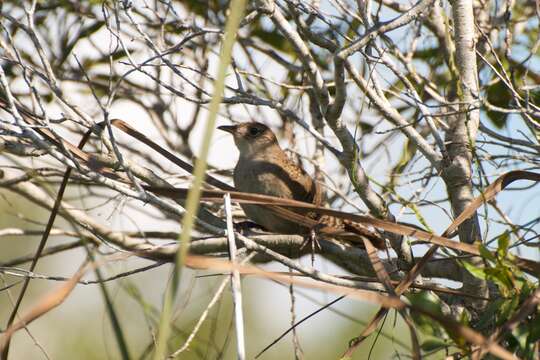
(251, 138)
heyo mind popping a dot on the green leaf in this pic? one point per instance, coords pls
(521, 334)
(465, 318)
(426, 300)
(408, 153)
(274, 39)
(507, 308)
(498, 95)
(430, 302)
(486, 254)
(433, 343)
(431, 55)
(502, 277)
(534, 332)
(366, 127)
(477, 272)
(488, 316)
(85, 32)
(503, 241)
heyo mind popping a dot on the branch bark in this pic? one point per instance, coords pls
(461, 137)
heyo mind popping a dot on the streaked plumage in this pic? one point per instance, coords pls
(264, 168)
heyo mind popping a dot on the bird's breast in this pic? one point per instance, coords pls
(264, 177)
(275, 177)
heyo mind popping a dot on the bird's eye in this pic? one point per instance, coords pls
(253, 131)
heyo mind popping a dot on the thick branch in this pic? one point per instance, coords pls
(461, 136)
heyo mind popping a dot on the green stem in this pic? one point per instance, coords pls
(236, 10)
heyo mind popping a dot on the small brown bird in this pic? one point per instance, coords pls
(264, 168)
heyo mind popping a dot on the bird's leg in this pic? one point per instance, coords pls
(313, 241)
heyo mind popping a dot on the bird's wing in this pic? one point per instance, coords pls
(310, 190)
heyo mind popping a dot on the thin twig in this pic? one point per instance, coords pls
(236, 286)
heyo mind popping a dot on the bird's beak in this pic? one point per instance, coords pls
(229, 129)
